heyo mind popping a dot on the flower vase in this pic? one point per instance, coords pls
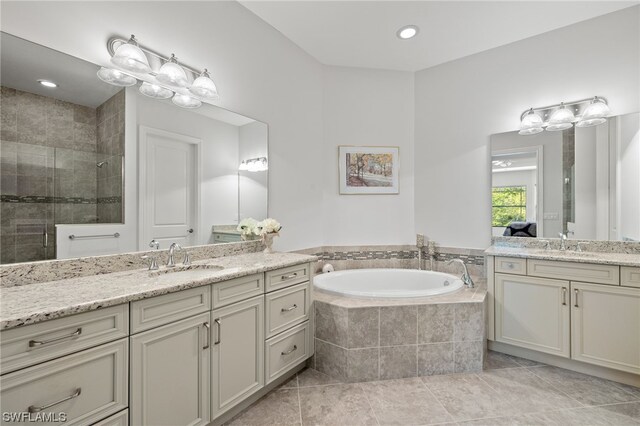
(267, 240)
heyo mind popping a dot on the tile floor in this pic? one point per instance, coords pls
(510, 391)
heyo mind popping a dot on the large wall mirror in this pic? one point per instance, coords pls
(583, 182)
(88, 168)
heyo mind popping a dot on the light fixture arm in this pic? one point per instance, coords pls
(156, 60)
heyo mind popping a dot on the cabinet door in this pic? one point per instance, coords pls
(533, 313)
(605, 326)
(237, 353)
(170, 376)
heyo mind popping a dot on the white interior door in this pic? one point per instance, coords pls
(169, 187)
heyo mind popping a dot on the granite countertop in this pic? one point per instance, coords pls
(623, 259)
(33, 303)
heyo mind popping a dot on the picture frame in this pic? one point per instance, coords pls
(368, 169)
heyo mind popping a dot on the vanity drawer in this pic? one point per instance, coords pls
(168, 308)
(238, 289)
(630, 276)
(286, 277)
(120, 419)
(511, 265)
(572, 271)
(25, 346)
(286, 308)
(287, 350)
(87, 386)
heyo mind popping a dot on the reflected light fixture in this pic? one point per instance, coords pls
(155, 91)
(562, 116)
(162, 77)
(259, 164)
(131, 58)
(407, 32)
(115, 77)
(186, 101)
(48, 83)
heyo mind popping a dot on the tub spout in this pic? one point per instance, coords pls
(466, 278)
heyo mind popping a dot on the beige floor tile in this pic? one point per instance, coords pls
(311, 377)
(335, 405)
(280, 407)
(586, 389)
(404, 402)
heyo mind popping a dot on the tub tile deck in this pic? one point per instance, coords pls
(510, 391)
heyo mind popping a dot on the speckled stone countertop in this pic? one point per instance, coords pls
(30, 304)
(623, 259)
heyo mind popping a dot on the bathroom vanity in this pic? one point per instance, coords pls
(581, 306)
(186, 346)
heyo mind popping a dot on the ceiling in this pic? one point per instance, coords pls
(363, 33)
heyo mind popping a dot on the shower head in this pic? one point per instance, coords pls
(102, 163)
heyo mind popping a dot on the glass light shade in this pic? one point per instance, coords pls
(172, 74)
(561, 119)
(185, 101)
(115, 77)
(243, 166)
(130, 57)
(594, 114)
(204, 87)
(531, 123)
(155, 91)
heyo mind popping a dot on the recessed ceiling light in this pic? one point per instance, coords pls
(47, 83)
(407, 32)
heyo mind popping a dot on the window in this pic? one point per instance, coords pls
(509, 204)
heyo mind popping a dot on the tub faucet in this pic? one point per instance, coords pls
(466, 278)
(420, 245)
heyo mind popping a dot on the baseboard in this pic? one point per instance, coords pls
(256, 396)
(569, 364)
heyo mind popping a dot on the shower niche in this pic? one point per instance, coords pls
(61, 148)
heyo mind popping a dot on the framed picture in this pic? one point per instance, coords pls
(368, 169)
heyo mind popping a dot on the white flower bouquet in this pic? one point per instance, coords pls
(247, 228)
(268, 226)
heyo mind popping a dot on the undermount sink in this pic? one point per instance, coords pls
(193, 269)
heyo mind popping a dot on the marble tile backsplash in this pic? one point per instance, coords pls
(598, 246)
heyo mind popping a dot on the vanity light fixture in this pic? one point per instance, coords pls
(407, 32)
(48, 83)
(259, 164)
(584, 113)
(162, 77)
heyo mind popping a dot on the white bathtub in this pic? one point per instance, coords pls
(387, 283)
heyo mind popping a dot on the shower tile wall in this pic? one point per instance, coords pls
(48, 152)
(110, 149)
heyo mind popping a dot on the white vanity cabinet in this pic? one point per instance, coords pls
(237, 357)
(170, 373)
(587, 312)
(533, 313)
(605, 326)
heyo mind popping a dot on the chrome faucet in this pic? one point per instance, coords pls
(172, 248)
(563, 239)
(150, 258)
(466, 278)
(420, 245)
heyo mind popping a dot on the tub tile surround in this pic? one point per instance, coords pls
(53, 270)
(358, 340)
(23, 305)
(509, 391)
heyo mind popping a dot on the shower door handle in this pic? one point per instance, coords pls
(45, 239)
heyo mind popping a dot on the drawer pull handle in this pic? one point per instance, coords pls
(509, 265)
(34, 343)
(34, 409)
(290, 351)
(288, 277)
(564, 296)
(575, 305)
(208, 333)
(289, 309)
(219, 331)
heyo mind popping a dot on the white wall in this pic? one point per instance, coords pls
(259, 73)
(370, 108)
(460, 103)
(253, 185)
(629, 177)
